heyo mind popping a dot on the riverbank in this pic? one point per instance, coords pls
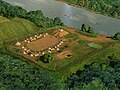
(86, 8)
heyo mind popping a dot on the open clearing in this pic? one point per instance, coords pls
(43, 43)
(64, 54)
(74, 53)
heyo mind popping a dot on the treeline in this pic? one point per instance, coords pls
(96, 77)
(116, 36)
(109, 7)
(36, 17)
(19, 75)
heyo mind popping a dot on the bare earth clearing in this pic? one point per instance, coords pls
(100, 38)
(43, 43)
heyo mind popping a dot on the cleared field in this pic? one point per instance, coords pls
(3, 19)
(43, 43)
(94, 45)
(15, 28)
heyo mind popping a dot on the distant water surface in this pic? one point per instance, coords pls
(71, 16)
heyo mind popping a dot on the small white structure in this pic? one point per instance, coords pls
(34, 39)
(24, 53)
(25, 41)
(23, 47)
(28, 51)
(55, 47)
(62, 42)
(35, 35)
(40, 35)
(52, 49)
(49, 51)
(58, 49)
(31, 38)
(18, 44)
(46, 33)
(36, 55)
(49, 48)
(31, 55)
(58, 45)
(28, 41)
(61, 30)
(43, 53)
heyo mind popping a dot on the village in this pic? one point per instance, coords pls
(41, 44)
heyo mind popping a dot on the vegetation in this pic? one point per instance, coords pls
(46, 58)
(94, 45)
(87, 28)
(116, 36)
(36, 17)
(108, 7)
(96, 77)
(19, 75)
(16, 74)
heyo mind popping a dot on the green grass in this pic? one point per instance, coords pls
(82, 53)
(83, 42)
(19, 28)
(94, 35)
(3, 19)
(16, 28)
(71, 36)
(100, 56)
(94, 45)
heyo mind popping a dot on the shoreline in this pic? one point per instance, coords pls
(74, 5)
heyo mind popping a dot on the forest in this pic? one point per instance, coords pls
(96, 77)
(107, 7)
(20, 75)
(36, 17)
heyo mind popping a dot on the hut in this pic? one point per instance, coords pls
(18, 44)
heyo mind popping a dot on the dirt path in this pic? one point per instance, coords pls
(100, 38)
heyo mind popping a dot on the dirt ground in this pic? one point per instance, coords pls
(64, 54)
(100, 38)
(43, 43)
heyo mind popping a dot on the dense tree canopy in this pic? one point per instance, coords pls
(19, 75)
(96, 77)
(46, 58)
(87, 28)
(109, 7)
(36, 17)
(117, 36)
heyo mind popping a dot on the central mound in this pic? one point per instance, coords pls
(43, 43)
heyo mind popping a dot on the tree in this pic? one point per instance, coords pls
(19, 75)
(57, 21)
(46, 58)
(36, 17)
(90, 30)
(117, 36)
(87, 28)
(95, 77)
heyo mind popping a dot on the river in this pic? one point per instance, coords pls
(71, 16)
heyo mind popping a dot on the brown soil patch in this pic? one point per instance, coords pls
(64, 54)
(43, 43)
(60, 33)
(100, 38)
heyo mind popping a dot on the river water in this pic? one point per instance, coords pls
(71, 16)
